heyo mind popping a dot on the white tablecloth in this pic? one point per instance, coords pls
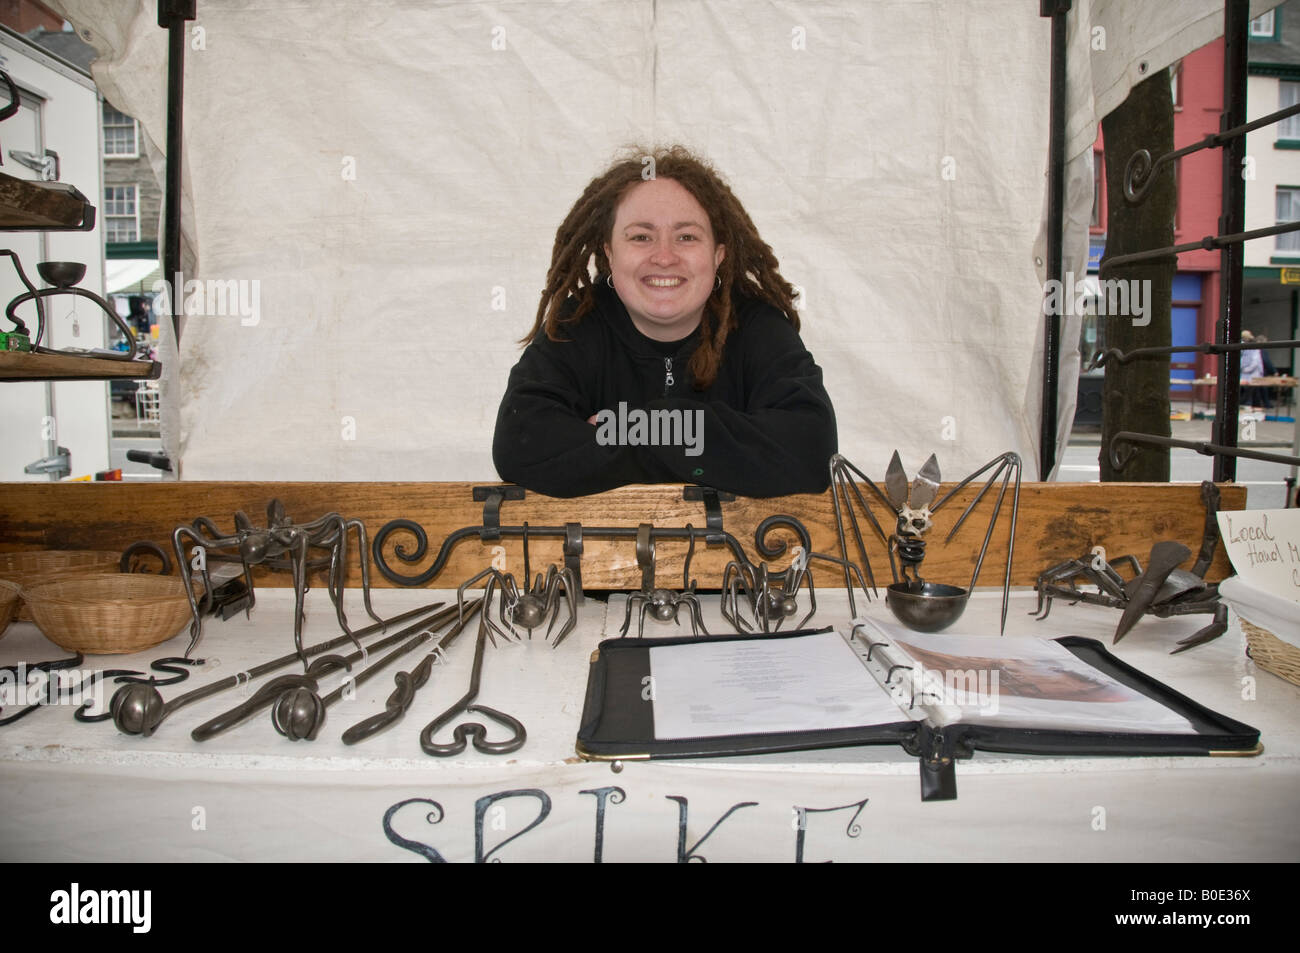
(77, 792)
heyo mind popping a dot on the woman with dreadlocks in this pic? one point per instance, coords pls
(680, 362)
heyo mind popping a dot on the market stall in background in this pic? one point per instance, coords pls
(327, 613)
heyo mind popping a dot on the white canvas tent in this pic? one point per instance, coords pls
(391, 175)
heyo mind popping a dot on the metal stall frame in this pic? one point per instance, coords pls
(173, 15)
(1138, 175)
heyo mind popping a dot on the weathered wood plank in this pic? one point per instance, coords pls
(26, 204)
(1058, 521)
(25, 366)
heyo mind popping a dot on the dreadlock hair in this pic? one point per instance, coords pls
(749, 268)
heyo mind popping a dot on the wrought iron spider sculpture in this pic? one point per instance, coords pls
(528, 607)
(773, 596)
(913, 509)
(662, 605)
(280, 544)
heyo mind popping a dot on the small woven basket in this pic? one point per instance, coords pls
(10, 597)
(110, 614)
(31, 569)
(56, 560)
(1271, 653)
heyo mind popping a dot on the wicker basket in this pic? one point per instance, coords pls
(110, 614)
(1271, 653)
(10, 597)
(31, 569)
(56, 560)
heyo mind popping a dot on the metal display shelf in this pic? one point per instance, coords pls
(43, 206)
(24, 366)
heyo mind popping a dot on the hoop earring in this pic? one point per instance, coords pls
(717, 281)
(609, 280)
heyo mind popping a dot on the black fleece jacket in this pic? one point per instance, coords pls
(768, 424)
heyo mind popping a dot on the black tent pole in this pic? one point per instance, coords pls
(172, 15)
(1057, 10)
(1236, 29)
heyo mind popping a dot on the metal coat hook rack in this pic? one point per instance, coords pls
(574, 535)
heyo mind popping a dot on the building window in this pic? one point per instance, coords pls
(120, 140)
(1264, 27)
(1288, 94)
(1288, 210)
(121, 214)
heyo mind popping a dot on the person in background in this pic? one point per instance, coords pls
(1266, 393)
(1252, 366)
(665, 348)
(139, 316)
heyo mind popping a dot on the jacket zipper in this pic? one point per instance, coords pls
(668, 374)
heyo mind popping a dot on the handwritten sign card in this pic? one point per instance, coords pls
(1264, 546)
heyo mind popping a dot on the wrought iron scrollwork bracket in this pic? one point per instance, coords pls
(1140, 172)
(1115, 355)
(1119, 461)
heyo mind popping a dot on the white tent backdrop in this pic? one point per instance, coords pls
(391, 175)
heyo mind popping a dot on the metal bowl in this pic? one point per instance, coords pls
(927, 606)
(61, 274)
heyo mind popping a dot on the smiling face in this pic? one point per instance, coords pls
(663, 258)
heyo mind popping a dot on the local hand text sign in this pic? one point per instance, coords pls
(1264, 546)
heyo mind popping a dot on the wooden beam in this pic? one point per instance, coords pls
(39, 205)
(26, 366)
(1058, 521)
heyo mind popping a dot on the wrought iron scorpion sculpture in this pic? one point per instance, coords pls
(1163, 590)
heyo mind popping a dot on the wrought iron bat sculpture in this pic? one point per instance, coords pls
(917, 603)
